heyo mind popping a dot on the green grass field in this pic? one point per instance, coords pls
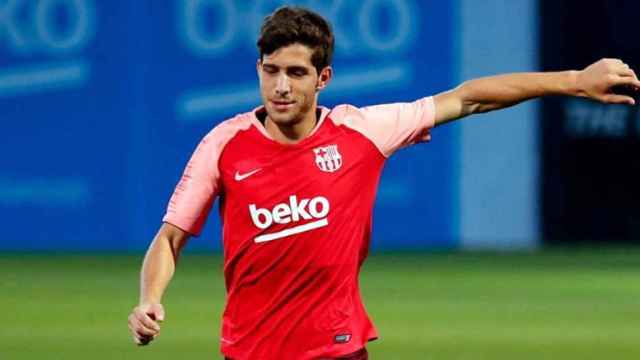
(552, 305)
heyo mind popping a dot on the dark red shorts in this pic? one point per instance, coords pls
(361, 354)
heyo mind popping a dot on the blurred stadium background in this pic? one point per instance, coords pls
(511, 235)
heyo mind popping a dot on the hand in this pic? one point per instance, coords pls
(597, 80)
(144, 322)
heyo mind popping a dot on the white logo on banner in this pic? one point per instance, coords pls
(364, 30)
(29, 28)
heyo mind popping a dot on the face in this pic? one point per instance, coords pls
(289, 84)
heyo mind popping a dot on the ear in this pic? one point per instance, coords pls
(259, 68)
(324, 78)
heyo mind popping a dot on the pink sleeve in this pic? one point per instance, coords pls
(391, 126)
(192, 198)
(196, 191)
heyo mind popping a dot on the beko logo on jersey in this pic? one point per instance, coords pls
(296, 210)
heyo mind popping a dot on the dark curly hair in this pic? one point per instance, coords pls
(288, 25)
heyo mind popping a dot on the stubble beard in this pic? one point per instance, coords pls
(292, 117)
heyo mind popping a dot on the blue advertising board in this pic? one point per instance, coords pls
(103, 103)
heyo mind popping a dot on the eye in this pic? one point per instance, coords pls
(297, 72)
(269, 69)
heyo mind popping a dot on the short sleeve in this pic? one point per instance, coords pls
(196, 191)
(391, 126)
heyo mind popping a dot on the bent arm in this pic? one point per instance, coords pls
(160, 262)
(497, 92)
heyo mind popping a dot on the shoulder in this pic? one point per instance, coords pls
(222, 133)
(341, 112)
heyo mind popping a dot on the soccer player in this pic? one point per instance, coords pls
(296, 184)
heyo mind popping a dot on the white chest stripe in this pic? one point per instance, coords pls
(292, 231)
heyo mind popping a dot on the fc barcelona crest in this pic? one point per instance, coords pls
(328, 158)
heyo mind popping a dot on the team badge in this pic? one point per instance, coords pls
(328, 158)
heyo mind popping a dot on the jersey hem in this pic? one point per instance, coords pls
(168, 220)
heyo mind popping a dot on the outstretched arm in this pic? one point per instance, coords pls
(497, 92)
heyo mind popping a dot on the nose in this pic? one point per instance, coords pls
(283, 88)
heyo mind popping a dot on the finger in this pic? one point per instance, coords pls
(139, 328)
(144, 331)
(145, 320)
(619, 99)
(158, 313)
(140, 339)
(629, 80)
(626, 72)
(143, 339)
(135, 324)
(141, 336)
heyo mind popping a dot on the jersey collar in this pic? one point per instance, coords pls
(256, 122)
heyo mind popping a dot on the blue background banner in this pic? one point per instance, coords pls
(102, 105)
(591, 170)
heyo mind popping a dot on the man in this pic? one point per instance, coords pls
(297, 183)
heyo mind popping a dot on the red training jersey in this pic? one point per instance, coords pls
(296, 224)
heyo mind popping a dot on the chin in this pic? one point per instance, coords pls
(288, 118)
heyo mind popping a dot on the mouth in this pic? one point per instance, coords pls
(282, 105)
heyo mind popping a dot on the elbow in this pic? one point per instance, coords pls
(173, 239)
(472, 100)
(469, 104)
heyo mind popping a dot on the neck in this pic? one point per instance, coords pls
(292, 133)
